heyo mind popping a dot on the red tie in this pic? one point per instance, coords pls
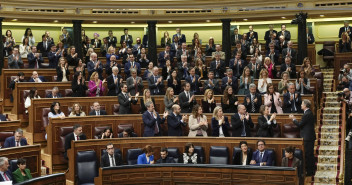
(6, 178)
(77, 138)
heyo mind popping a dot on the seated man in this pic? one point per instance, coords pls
(125, 100)
(35, 59)
(175, 121)
(128, 132)
(292, 100)
(76, 135)
(97, 111)
(110, 158)
(152, 121)
(16, 140)
(36, 78)
(261, 157)
(54, 93)
(6, 174)
(164, 158)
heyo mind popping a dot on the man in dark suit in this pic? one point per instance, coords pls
(112, 40)
(44, 46)
(307, 132)
(237, 65)
(136, 50)
(289, 67)
(134, 83)
(218, 66)
(76, 135)
(254, 67)
(282, 44)
(35, 59)
(253, 100)
(292, 100)
(18, 79)
(164, 158)
(273, 54)
(54, 93)
(5, 173)
(145, 40)
(194, 80)
(240, 49)
(16, 140)
(235, 37)
(212, 84)
(181, 37)
(15, 60)
(183, 68)
(290, 52)
(175, 121)
(310, 37)
(183, 51)
(125, 100)
(54, 57)
(284, 33)
(96, 110)
(95, 65)
(155, 83)
(271, 30)
(346, 28)
(261, 157)
(186, 98)
(251, 34)
(152, 121)
(36, 78)
(110, 158)
(132, 64)
(241, 123)
(114, 81)
(164, 56)
(230, 80)
(127, 38)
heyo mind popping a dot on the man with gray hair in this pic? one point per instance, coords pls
(253, 100)
(175, 121)
(290, 52)
(134, 83)
(346, 28)
(54, 93)
(6, 174)
(229, 80)
(183, 67)
(306, 126)
(218, 66)
(95, 65)
(155, 83)
(114, 81)
(292, 100)
(16, 140)
(152, 121)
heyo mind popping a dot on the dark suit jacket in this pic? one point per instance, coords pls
(218, 72)
(194, 86)
(112, 42)
(91, 69)
(60, 73)
(42, 50)
(177, 88)
(128, 66)
(255, 73)
(275, 57)
(40, 77)
(233, 39)
(215, 87)
(145, 41)
(266, 158)
(233, 84)
(9, 175)
(128, 42)
(237, 67)
(287, 35)
(68, 138)
(149, 124)
(257, 105)
(167, 160)
(92, 42)
(267, 35)
(237, 160)
(312, 39)
(112, 86)
(105, 160)
(293, 69)
(32, 60)
(174, 125)
(265, 130)
(53, 59)
(295, 163)
(10, 142)
(51, 95)
(162, 60)
(93, 113)
(181, 70)
(255, 35)
(306, 126)
(78, 90)
(215, 127)
(237, 125)
(288, 105)
(125, 105)
(181, 40)
(342, 29)
(155, 89)
(293, 55)
(186, 107)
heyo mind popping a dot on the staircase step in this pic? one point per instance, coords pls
(329, 128)
(327, 150)
(328, 142)
(327, 167)
(328, 159)
(331, 122)
(329, 135)
(325, 177)
(331, 116)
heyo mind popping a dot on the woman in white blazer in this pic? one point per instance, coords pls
(272, 100)
(197, 123)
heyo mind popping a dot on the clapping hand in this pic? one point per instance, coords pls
(165, 114)
(247, 116)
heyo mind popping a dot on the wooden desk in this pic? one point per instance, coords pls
(9, 126)
(30, 152)
(179, 142)
(54, 179)
(196, 174)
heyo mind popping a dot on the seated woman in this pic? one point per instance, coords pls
(95, 85)
(308, 68)
(174, 82)
(189, 156)
(283, 84)
(33, 94)
(263, 81)
(201, 69)
(78, 85)
(76, 110)
(55, 111)
(147, 157)
(149, 71)
(146, 97)
(245, 80)
(169, 100)
(245, 157)
(167, 69)
(128, 132)
(219, 123)
(22, 173)
(272, 100)
(290, 160)
(63, 74)
(266, 123)
(208, 102)
(107, 133)
(229, 102)
(197, 122)
(303, 84)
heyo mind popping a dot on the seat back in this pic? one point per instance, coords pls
(254, 130)
(200, 152)
(272, 153)
(115, 109)
(277, 131)
(45, 118)
(123, 126)
(87, 166)
(63, 131)
(68, 92)
(3, 136)
(13, 165)
(290, 131)
(98, 131)
(132, 155)
(298, 154)
(175, 153)
(218, 155)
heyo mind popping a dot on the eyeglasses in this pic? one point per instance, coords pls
(110, 148)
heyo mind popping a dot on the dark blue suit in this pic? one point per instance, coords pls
(32, 60)
(194, 86)
(149, 124)
(161, 59)
(233, 84)
(40, 77)
(174, 125)
(275, 57)
(10, 142)
(155, 89)
(91, 69)
(180, 40)
(53, 59)
(237, 69)
(9, 175)
(128, 66)
(2, 117)
(268, 158)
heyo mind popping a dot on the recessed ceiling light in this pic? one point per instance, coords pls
(56, 21)
(95, 22)
(208, 20)
(283, 17)
(14, 19)
(322, 15)
(169, 21)
(132, 22)
(245, 19)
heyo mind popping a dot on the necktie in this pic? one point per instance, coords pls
(77, 138)
(156, 89)
(261, 157)
(236, 37)
(294, 103)
(156, 128)
(253, 105)
(17, 143)
(244, 128)
(112, 161)
(132, 64)
(6, 178)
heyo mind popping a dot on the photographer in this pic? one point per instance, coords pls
(344, 83)
(346, 71)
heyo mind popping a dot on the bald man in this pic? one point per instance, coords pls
(95, 65)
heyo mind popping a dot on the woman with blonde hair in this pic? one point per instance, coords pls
(245, 80)
(76, 110)
(344, 43)
(145, 98)
(111, 51)
(63, 74)
(229, 101)
(208, 102)
(197, 122)
(270, 67)
(95, 85)
(87, 57)
(170, 99)
(263, 81)
(165, 40)
(201, 69)
(219, 123)
(308, 68)
(283, 84)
